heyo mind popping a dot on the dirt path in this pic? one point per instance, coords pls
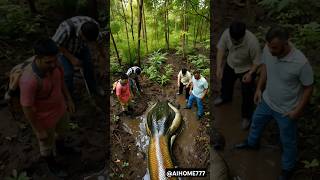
(248, 165)
(191, 147)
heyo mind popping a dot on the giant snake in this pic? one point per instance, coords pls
(163, 120)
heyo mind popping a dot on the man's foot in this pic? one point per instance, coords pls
(285, 175)
(100, 91)
(218, 101)
(64, 149)
(54, 167)
(245, 145)
(245, 124)
(178, 93)
(199, 117)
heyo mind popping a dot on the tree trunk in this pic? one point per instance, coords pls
(184, 28)
(200, 27)
(195, 31)
(131, 20)
(145, 30)
(93, 9)
(125, 21)
(116, 49)
(166, 20)
(139, 30)
(32, 7)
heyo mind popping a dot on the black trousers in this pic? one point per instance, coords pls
(187, 90)
(247, 90)
(136, 79)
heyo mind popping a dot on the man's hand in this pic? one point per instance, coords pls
(293, 114)
(219, 73)
(257, 96)
(70, 106)
(75, 62)
(247, 78)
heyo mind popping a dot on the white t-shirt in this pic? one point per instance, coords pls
(199, 86)
(185, 79)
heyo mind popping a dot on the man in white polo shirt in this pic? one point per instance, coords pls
(198, 91)
(286, 81)
(243, 59)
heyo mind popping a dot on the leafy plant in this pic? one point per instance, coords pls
(17, 21)
(308, 34)
(199, 61)
(157, 58)
(311, 164)
(18, 176)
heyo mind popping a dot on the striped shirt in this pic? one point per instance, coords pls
(64, 38)
(133, 70)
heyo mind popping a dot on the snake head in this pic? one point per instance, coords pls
(163, 118)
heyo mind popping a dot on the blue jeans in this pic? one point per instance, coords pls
(199, 104)
(288, 128)
(85, 57)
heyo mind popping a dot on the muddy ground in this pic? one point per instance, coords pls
(191, 148)
(265, 163)
(19, 149)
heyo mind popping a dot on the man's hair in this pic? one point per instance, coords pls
(197, 72)
(46, 47)
(138, 71)
(277, 32)
(237, 30)
(124, 76)
(90, 30)
(184, 71)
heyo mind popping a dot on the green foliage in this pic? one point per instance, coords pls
(314, 163)
(200, 62)
(156, 70)
(308, 34)
(18, 176)
(17, 21)
(157, 58)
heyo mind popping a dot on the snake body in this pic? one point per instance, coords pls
(163, 120)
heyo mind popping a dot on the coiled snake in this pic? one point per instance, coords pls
(163, 120)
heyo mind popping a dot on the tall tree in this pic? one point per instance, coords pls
(32, 7)
(166, 20)
(125, 22)
(93, 9)
(145, 29)
(115, 48)
(139, 31)
(131, 20)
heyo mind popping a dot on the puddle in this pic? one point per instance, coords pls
(248, 165)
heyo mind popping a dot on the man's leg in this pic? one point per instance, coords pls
(261, 116)
(288, 130)
(136, 79)
(88, 69)
(247, 105)
(180, 88)
(68, 72)
(61, 129)
(47, 145)
(190, 101)
(187, 92)
(227, 83)
(200, 107)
